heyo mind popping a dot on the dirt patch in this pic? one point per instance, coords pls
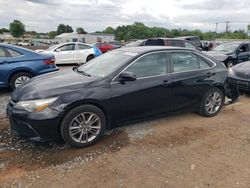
(184, 150)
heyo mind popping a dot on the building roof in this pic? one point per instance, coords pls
(75, 35)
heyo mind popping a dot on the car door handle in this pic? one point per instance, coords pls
(165, 82)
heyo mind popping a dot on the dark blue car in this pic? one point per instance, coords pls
(17, 65)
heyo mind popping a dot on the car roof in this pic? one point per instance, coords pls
(145, 49)
(237, 42)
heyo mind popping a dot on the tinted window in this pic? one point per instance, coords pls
(149, 65)
(154, 42)
(83, 47)
(68, 47)
(176, 43)
(2, 53)
(184, 61)
(190, 45)
(203, 64)
(244, 48)
(13, 53)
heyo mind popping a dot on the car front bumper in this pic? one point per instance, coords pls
(40, 126)
(240, 84)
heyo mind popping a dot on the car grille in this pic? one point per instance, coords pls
(243, 75)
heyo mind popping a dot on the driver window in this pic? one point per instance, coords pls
(149, 65)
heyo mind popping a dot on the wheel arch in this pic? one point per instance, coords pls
(19, 71)
(95, 103)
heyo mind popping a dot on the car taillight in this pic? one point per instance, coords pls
(49, 61)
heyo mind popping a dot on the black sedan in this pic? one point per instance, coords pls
(239, 76)
(231, 53)
(121, 86)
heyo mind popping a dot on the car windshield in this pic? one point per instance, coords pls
(226, 47)
(106, 63)
(134, 43)
(53, 47)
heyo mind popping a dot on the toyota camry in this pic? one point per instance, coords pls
(121, 86)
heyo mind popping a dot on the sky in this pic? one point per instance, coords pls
(96, 15)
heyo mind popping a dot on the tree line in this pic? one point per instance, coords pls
(136, 30)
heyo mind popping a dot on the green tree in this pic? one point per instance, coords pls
(52, 34)
(4, 30)
(80, 30)
(17, 28)
(64, 29)
(109, 30)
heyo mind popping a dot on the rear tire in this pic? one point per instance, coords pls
(83, 126)
(90, 57)
(18, 79)
(212, 102)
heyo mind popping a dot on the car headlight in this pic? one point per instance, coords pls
(231, 72)
(35, 105)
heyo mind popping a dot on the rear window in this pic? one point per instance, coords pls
(155, 42)
(13, 53)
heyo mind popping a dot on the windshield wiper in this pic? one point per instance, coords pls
(82, 72)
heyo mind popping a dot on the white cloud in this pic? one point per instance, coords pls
(93, 15)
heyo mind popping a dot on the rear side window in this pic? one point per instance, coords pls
(154, 42)
(184, 61)
(203, 64)
(190, 45)
(149, 65)
(13, 53)
(2, 53)
(83, 47)
(67, 47)
(176, 43)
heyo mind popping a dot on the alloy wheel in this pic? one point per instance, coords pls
(20, 80)
(85, 127)
(213, 102)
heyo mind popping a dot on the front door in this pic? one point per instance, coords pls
(149, 94)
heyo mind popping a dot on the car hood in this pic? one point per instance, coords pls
(242, 67)
(52, 85)
(220, 56)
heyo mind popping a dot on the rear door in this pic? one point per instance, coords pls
(147, 95)
(192, 76)
(82, 52)
(66, 54)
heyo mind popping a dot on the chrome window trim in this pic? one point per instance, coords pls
(170, 73)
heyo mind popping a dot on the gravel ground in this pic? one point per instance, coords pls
(4, 98)
(184, 150)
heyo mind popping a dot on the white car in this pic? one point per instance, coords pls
(24, 44)
(72, 53)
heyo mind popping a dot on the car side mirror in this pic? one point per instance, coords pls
(127, 76)
(58, 50)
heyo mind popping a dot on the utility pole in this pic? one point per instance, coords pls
(227, 27)
(216, 25)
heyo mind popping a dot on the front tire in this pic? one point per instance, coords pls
(212, 102)
(83, 126)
